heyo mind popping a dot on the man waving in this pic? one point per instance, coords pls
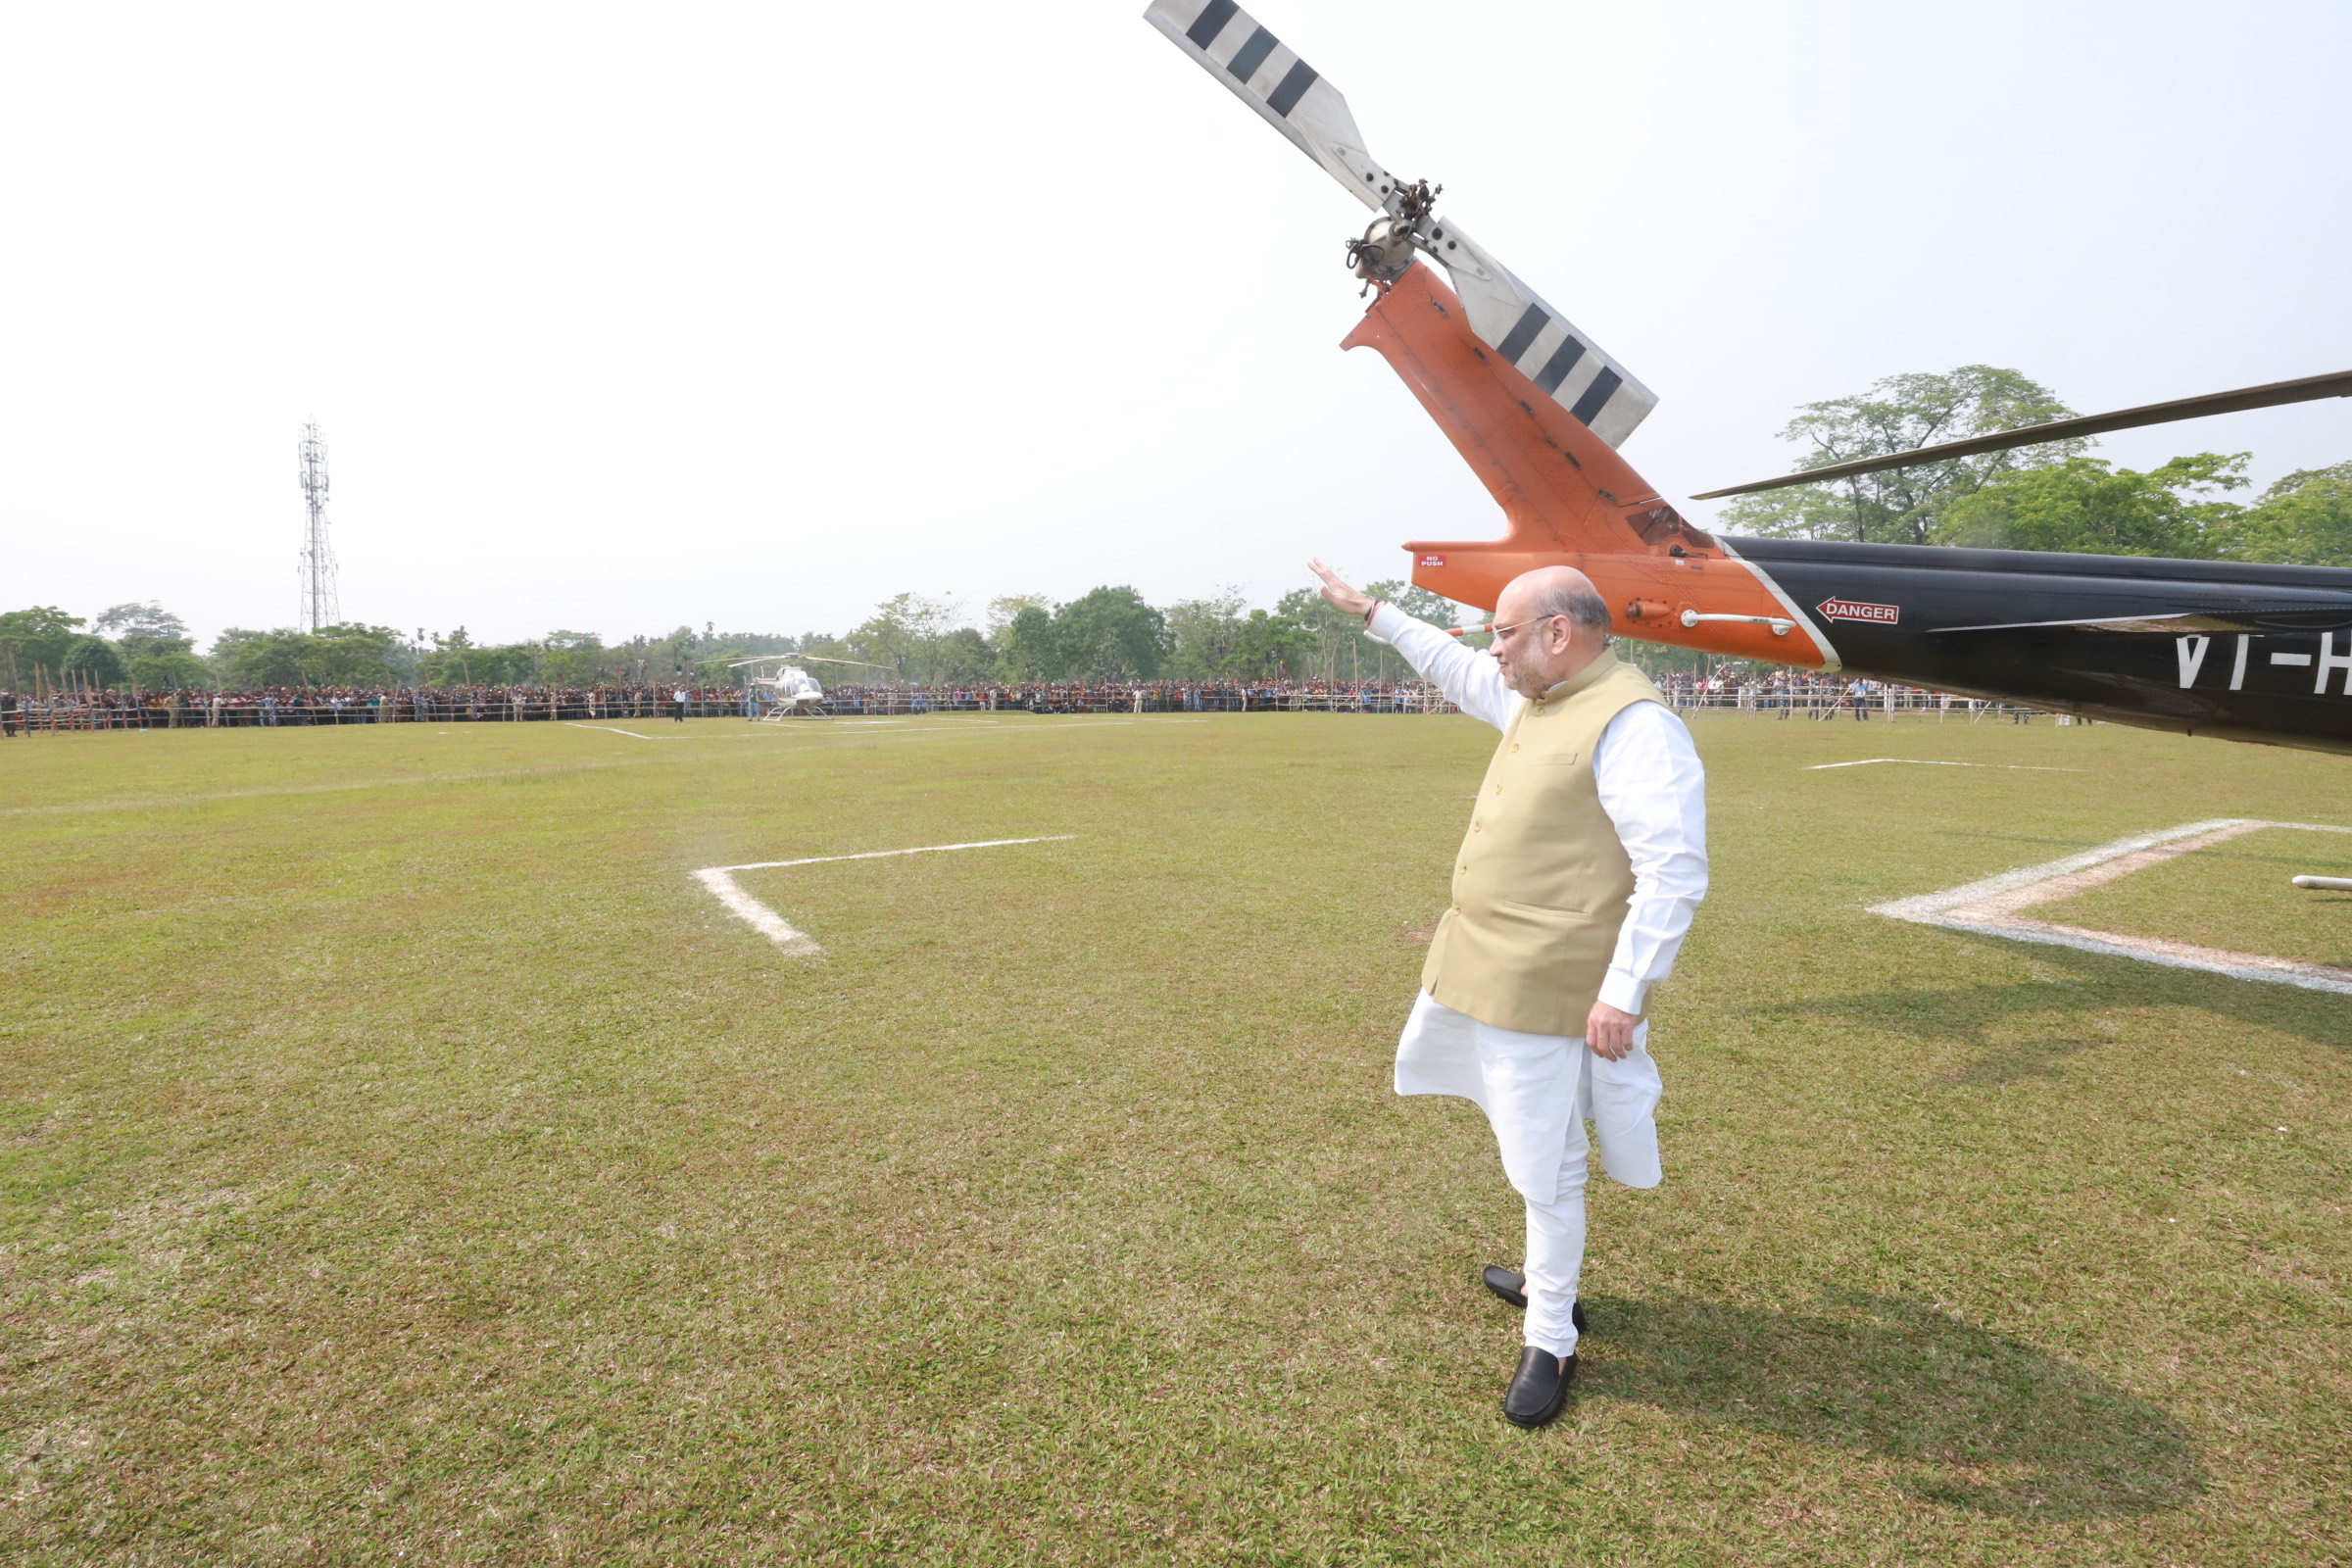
(1572, 891)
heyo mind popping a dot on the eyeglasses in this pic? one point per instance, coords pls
(1500, 632)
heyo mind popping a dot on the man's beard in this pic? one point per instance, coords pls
(1519, 679)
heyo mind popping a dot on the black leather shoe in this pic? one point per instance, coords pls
(1512, 1288)
(1538, 1389)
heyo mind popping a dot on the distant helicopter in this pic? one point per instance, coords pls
(793, 691)
(2232, 649)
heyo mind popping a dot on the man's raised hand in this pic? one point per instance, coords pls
(1337, 593)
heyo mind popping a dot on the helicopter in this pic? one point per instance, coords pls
(2236, 650)
(793, 691)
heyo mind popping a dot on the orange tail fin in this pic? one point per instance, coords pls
(1571, 500)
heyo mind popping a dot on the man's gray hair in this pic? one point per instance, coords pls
(1581, 603)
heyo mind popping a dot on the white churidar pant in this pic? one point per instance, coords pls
(1555, 1251)
(1537, 1091)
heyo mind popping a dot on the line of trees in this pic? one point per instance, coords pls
(1108, 634)
(2047, 496)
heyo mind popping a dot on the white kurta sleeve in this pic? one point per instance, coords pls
(1471, 680)
(1653, 789)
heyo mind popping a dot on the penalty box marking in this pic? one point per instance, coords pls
(1991, 907)
(721, 880)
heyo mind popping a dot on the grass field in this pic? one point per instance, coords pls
(407, 1160)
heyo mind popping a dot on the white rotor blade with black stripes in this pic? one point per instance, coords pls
(1268, 76)
(1548, 348)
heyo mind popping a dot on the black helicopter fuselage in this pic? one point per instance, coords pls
(2230, 649)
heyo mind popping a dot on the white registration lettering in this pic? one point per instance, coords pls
(2191, 651)
(2304, 660)
(2331, 660)
(2237, 670)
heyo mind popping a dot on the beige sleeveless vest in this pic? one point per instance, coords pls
(1541, 885)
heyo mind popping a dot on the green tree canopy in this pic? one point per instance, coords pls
(1331, 632)
(354, 654)
(1030, 650)
(36, 640)
(1200, 632)
(2083, 504)
(448, 663)
(503, 664)
(962, 657)
(1111, 634)
(572, 659)
(457, 660)
(1902, 413)
(1005, 606)
(2305, 519)
(141, 629)
(247, 657)
(94, 661)
(347, 655)
(908, 632)
(1269, 648)
(171, 671)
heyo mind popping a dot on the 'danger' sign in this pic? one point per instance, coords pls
(1855, 610)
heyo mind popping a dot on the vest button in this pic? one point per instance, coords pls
(1498, 789)
(1514, 746)
(1464, 868)
(1478, 827)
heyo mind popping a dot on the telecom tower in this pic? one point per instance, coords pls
(317, 557)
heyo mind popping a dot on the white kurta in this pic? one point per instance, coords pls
(1534, 1087)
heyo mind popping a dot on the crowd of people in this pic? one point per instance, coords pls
(342, 705)
(290, 706)
(1806, 694)
(1784, 694)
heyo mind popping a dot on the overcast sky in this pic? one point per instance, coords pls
(621, 318)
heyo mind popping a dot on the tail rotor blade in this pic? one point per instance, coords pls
(1547, 347)
(1268, 76)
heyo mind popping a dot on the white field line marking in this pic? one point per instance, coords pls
(1928, 761)
(721, 880)
(609, 729)
(1993, 906)
(634, 735)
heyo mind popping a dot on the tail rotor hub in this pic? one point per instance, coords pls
(1386, 250)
